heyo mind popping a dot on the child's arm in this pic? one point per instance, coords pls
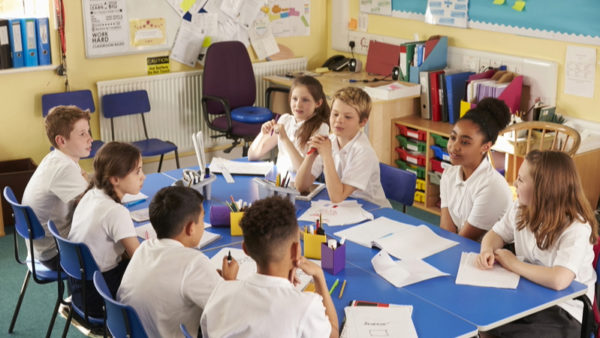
(316, 272)
(304, 177)
(130, 244)
(264, 142)
(556, 277)
(471, 232)
(490, 243)
(446, 222)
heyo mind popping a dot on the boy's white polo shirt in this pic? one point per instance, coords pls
(482, 199)
(168, 284)
(101, 223)
(572, 250)
(357, 165)
(53, 185)
(264, 306)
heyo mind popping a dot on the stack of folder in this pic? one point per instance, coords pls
(418, 56)
(24, 43)
(441, 93)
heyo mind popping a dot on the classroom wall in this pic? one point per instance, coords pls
(21, 124)
(570, 105)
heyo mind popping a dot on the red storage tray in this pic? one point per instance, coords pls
(413, 158)
(420, 135)
(439, 166)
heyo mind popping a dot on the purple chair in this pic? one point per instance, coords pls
(229, 92)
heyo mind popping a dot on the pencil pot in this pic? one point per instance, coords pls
(234, 220)
(333, 261)
(219, 215)
(312, 245)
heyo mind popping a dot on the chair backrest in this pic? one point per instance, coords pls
(398, 185)
(121, 319)
(542, 135)
(76, 259)
(127, 103)
(228, 74)
(27, 224)
(80, 98)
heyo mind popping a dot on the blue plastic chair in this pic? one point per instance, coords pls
(121, 319)
(398, 185)
(132, 103)
(229, 94)
(29, 228)
(185, 332)
(81, 98)
(77, 262)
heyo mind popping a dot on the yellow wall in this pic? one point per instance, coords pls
(21, 123)
(570, 105)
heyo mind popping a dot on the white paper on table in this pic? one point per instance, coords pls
(188, 44)
(405, 272)
(414, 242)
(145, 231)
(262, 39)
(207, 238)
(373, 321)
(128, 198)
(580, 71)
(140, 215)
(365, 233)
(497, 277)
(334, 214)
(243, 168)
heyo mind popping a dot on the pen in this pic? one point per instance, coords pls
(276, 119)
(130, 204)
(229, 257)
(335, 284)
(342, 289)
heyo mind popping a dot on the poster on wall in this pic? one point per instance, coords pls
(447, 12)
(106, 27)
(288, 17)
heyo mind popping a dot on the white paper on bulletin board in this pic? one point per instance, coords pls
(107, 26)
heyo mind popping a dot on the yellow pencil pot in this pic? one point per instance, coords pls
(234, 221)
(312, 245)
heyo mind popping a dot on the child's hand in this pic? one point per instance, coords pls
(321, 143)
(280, 130)
(485, 260)
(506, 258)
(310, 268)
(293, 278)
(230, 269)
(267, 127)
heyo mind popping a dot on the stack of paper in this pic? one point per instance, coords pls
(241, 168)
(128, 198)
(140, 215)
(497, 277)
(364, 234)
(146, 231)
(372, 321)
(405, 272)
(414, 243)
(333, 214)
(393, 91)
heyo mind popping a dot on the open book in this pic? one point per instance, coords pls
(365, 319)
(146, 231)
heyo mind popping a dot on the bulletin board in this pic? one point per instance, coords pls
(120, 27)
(572, 20)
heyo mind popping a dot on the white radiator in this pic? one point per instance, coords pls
(175, 101)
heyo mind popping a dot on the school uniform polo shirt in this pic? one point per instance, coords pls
(101, 223)
(481, 200)
(357, 165)
(264, 306)
(53, 185)
(572, 250)
(168, 284)
(284, 162)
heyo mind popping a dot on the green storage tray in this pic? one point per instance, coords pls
(417, 170)
(440, 140)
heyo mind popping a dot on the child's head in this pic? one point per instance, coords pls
(177, 211)
(68, 129)
(270, 230)
(475, 133)
(118, 170)
(350, 110)
(551, 197)
(308, 103)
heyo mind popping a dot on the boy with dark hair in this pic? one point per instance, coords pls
(267, 304)
(59, 179)
(168, 281)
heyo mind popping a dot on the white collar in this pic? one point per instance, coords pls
(336, 144)
(269, 281)
(483, 166)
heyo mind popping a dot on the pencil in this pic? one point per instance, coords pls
(342, 289)
(335, 284)
(229, 258)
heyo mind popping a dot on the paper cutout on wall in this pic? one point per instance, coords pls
(447, 12)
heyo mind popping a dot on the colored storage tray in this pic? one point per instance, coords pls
(440, 140)
(420, 184)
(415, 169)
(439, 166)
(441, 153)
(420, 135)
(410, 157)
(435, 177)
(419, 197)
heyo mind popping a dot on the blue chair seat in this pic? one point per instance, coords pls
(251, 114)
(99, 321)
(238, 128)
(154, 147)
(43, 273)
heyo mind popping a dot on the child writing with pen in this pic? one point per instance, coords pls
(553, 228)
(168, 281)
(102, 223)
(267, 304)
(346, 157)
(310, 114)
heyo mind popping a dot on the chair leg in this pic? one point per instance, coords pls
(160, 162)
(177, 159)
(68, 322)
(18, 307)
(245, 149)
(60, 292)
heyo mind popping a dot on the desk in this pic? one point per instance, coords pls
(382, 112)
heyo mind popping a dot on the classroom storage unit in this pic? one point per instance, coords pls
(16, 174)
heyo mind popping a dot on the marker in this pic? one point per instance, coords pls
(312, 150)
(229, 257)
(335, 284)
(342, 290)
(130, 204)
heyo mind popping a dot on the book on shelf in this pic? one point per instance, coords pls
(394, 90)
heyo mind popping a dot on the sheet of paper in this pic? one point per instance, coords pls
(183, 6)
(580, 71)
(206, 22)
(497, 277)
(364, 234)
(414, 243)
(373, 321)
(249, 12)
(262, 39)
(241, 168)
(188, 44)
(207, 238)
(404, 272)
(145, 231)
(334, 214)
(128, 198)
(448, 13)
(288, 17)
(140, 215)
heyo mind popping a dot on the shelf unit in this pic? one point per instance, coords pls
(431, 194)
